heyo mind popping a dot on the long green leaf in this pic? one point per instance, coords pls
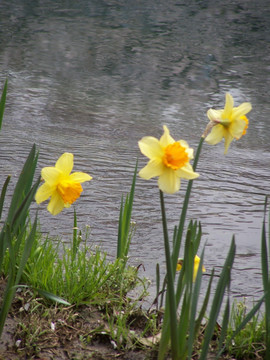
(124, 220)
(182, 220)
(21, 214)
(26, 251)
(24, 183)
(224, 325)
(194, 304)
(223, 282)
(3, 102)
(3, 194)
(205, 304)
(170, 298)
(9, 291)
(265, 254)
(183, 325)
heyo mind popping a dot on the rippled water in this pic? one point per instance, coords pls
(93, 77)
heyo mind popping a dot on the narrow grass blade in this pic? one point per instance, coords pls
(120, 233)
(3, 245)
(157, 282)
(3, 194)
(3, 102)
(75, 237)
(223, 283)
(52, 297)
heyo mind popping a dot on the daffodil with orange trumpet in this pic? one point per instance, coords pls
(228, 123)
(62, 187)
(169, 160)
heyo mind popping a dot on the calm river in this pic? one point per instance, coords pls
(92, 77)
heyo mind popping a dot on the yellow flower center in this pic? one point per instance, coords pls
(175, 156)
(69, 191)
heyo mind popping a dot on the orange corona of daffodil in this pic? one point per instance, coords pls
(169, 160)
(195, 268)
(229, 123)
(60, 185)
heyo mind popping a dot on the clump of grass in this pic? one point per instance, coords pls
(79, 274)
(249, 343)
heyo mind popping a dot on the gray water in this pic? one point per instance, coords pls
(94, 77)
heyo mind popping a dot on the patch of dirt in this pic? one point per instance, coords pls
(35, 331)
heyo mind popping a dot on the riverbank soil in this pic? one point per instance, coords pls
(36, 330)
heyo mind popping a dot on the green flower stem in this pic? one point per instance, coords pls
(177, 244)
(170, 278)
(173, 261)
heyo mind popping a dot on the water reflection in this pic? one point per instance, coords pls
(93, 77)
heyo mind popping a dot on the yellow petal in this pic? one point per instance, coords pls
(237, 127)
(196, 267)
(80, 177)
(51, 175)
(241, 110)
(188, 150)
(150, 147)
(152, 169)
(228, 139)
(65, 163)
(228, 106)
(56, 204)
(169, 182)
(43, 193)
(216, 134)
(166, 138)
(214, 115)
(187, 172)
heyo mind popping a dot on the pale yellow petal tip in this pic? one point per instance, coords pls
(165, 129)
(228, 97)
(69, 157)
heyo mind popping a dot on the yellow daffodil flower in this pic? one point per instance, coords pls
(229, 123)
(169, 160)
(62, 187)
(195, 268)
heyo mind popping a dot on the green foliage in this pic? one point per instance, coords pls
(249, 342)
(78, 276)
(13, 242)
(265, 262)
(181, 330)
(12, 237)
